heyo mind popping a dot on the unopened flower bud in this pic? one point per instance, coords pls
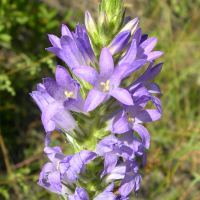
(131, 25)
(119, 42)
(103, 19)
(90, 23)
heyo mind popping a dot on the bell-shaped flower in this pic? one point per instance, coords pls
(128, 171)
(130, 118)
(141, 88)
(138, 52)
(112, 148)
(104, 84)
(50, 177)
(54, 115)
(73, 48)
(69, 165)
(65, 90)
(135, 144)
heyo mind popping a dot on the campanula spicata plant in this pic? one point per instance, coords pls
(99, 56)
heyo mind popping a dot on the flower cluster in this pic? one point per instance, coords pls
(99, 58)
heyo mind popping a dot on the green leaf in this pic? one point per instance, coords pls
(5, 37)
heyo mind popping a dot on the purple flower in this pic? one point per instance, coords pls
(69, 165)
(138, 52)
(50, 177)
(53, 113)
(112, 148)
(128, 172)
(130, 118)
(65, 90)
(73, 48)
(141, 88)
(104, 84)
(135, 144)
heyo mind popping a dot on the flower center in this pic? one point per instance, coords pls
(129, 118)
(69, 95)
(106, 85)
(57, 167)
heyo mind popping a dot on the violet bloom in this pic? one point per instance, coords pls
(112, 148)
(53, 113)
(71, 164)
(65, 90)
(130, 118)
(135, 144)
(128, 171)
(104, 84)
(73, 48)
(141, 88)
(50, 177)
(138, 52)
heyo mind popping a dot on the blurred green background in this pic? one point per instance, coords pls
(173, 160)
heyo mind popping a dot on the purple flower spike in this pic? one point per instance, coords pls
(106, 84)
(120, 41)
(65, 90)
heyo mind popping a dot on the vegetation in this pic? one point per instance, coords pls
(172, 169)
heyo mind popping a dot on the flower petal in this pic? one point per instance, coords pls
(63, 77)
(116, 78)
(146, 47)
(148, 115)
(121, 126)
(153, 55)
(135, 84)
(137, 64)
(94, 98)
(137, 36)
(87, 73)
(109, 163)
(65, 31)
(106, 63)
(49, 112)
(71, 52)
(81, 192)
(55, 41)
(54, 180)
(87, 156)
(144, 134)
(153, 88)
(119, 42)
(130, 55)
(157, 103)
(122, 95)
(154, 72)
